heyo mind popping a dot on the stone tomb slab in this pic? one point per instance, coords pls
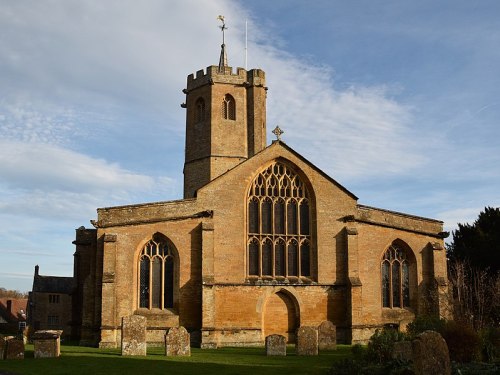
(47, 344)
(134, 335)
(327, 336)
(177, 342)
(430, 354)
(307, 341)
(15, 349)
(275, 345)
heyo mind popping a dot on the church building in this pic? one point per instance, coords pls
(262, 242)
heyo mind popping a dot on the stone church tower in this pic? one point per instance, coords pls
(225, 121)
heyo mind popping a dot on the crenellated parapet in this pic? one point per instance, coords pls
(253, 77)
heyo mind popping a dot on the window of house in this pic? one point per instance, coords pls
(200, 110)
(156, 274)
(228, 108)
(53, 298)
(53, 320)
(395, 270)
(22, 326)
(279, 220)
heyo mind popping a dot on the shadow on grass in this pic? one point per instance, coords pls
(80, 360)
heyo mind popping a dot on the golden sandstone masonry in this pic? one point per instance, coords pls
(263, 242)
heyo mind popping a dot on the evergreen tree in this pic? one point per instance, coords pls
(478, 243)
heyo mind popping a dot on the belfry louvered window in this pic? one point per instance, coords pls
(156, 274)
(228, 108)
(279, 219)
(200, 110)
(395, 270)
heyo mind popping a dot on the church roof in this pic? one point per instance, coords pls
(325, 175)
(53, 284)
(16, 311)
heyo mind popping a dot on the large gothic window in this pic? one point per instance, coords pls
(156, 274)
(279, 221)
(228, 108)
(395, 270)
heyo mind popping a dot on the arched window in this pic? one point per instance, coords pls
(156, 274)
(228, 108)
(395, 269)
(279, 221)
(200, 110)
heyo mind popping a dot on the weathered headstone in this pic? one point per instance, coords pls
(3, 347)
(402, 351)
(307, 341)
(47, 344)
(15, 349)
(134, 335)
(430, 354)
(275, 345)
(177, 342)
(327, 336)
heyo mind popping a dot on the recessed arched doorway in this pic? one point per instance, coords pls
(281, 316)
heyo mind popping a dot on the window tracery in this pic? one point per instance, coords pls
(156, 274)
(228, 108)
(395, 270)
(279, 240)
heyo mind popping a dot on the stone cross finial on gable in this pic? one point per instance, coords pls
(277, 132)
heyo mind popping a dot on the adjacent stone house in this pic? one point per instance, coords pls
(50, 304)
(263, 241)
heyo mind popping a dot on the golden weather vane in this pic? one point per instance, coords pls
(223, 27)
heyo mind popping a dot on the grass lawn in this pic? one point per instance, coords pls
(76, 360)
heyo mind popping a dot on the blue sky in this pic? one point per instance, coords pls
(399, 101)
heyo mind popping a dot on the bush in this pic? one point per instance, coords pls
(425, 323)
(463, 342)
(490, 344)
(381, 344)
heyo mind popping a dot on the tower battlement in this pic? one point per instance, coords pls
(253, 77)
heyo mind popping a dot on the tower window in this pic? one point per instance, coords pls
(395, 278)
(279, 240)
(200, 110)
(228, 108)
(53, 298)
(156, 274)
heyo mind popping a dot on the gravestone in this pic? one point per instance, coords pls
(3, 347)
(307, 341)
(134, 335)
(327, 336)
(15, 349)
(47, 344)
(430, 354)
(177, 342)
(275, 345)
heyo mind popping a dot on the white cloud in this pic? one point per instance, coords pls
(44, 167)
(352, 132)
